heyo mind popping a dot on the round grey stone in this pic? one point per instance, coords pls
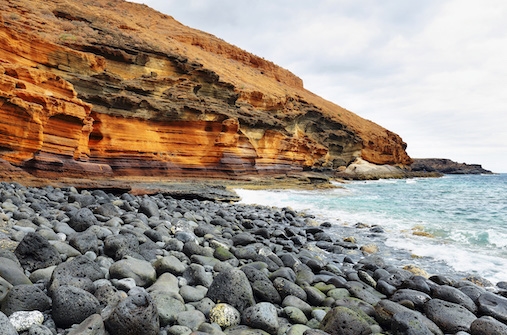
(262, 316)
(493, 305)
(452, 294)
(5, 286)
(295, 315)
(265, 291)
(169, 305)
(293, 301)
(193, 293)
(42, 274)
(84, 241)
(191, 319)
(142, 271)
(169, 264)
(286, 288)
(149, 207)
(204, 305)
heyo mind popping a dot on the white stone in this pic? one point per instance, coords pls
(224, 315)
(23, 320)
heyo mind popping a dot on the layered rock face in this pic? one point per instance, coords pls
(111, 88)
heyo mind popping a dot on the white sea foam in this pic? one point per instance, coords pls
(466, 214)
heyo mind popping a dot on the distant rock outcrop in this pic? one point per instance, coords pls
(103, 88)
(446, 166)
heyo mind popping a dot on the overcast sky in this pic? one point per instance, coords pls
(432, 71)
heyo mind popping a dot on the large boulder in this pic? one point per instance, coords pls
(493, 305)
(232, 287)
(136, 314)
(35, 252)
(345, 321)
(79, 272)
(72, 305)
(82, 220)
(262, 316)
(25, 298)
(450, 317)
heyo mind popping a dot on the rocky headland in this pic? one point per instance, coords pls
(93, 262)
(446, 166)
(109, 89)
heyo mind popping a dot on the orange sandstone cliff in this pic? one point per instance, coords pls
(106, 88)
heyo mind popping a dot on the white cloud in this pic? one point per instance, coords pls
(432, 71)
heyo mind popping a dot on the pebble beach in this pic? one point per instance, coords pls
(94, 262)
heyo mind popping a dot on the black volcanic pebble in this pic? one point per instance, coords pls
(34, 252)
(408, 323)
(72, 305)
(493, 305)
(79, 272)
(452, 294)
(83, 200)
(286, 288)
(134, 315)
(121, 245)
(149, 207)
(85, 241)
(416, 297)
(195, 274)
(448, 316)
(345, 321)
(232, 287)
(25, 298)
(486, 325)
(265, 291)
(82, 220)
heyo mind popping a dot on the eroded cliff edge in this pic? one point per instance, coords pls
(111, 88)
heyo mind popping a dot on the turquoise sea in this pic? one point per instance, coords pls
(455, 223)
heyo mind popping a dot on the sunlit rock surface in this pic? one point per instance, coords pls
(110, 88)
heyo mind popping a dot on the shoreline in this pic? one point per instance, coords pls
(227, 267)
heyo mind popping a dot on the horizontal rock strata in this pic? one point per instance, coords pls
(102, 89)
